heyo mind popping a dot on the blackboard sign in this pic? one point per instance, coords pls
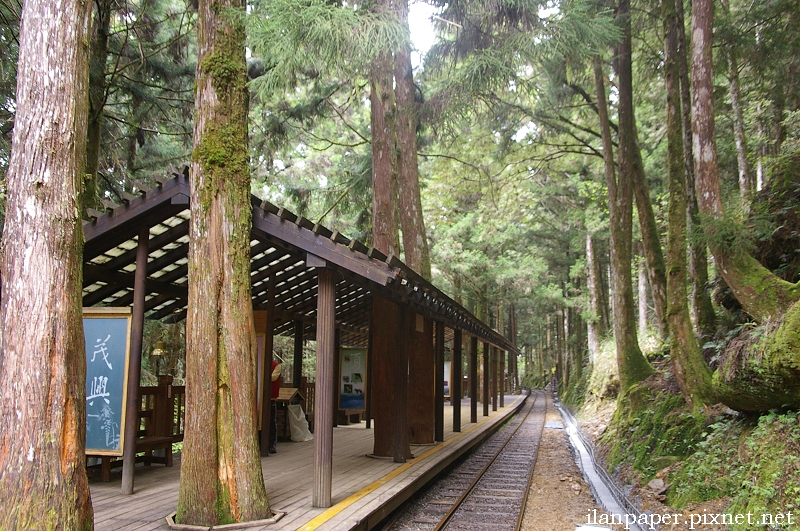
(107, 333)
(352, 377)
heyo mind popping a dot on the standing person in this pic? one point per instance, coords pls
(274, 392)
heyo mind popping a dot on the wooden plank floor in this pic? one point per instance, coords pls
(363, 486)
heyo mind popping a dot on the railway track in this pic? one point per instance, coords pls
(490, 488)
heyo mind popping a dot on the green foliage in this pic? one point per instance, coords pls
(652, 423)
(499, 42)
(310, 38)
(708, 473)
(575, 394)
(755, 462)
(535, 381)
(9, 45)
(738, 238)
(310, 153)
(174, 361)
(148, 93)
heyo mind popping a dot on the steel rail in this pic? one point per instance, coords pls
(459, 503)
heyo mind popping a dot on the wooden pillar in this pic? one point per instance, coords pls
(135, 365)
(422, 404)
(297, 362)
(266, 368)
(512, 372)
(501, 375)
(324, 395)
(486, 371)
(439, 385)
(401, 447)
(473, 380)
(494, 383)
(368, 387)
(456, 363)
(337, 363)
(387, 330)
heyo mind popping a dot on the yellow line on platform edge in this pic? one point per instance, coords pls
(350, 500)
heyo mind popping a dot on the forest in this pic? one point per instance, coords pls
(615, 186)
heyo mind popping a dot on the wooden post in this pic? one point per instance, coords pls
(486, 371)
(439, 386)
(501, 375)
(455, 386)
(135, 366)
(368, 386)
(266, 368)
(494, 383)
(422, 404)
(512, 372)
(400, 446)
(297, 367)
(473, 380)
(337, 363)
(389, 333)
(324, 396)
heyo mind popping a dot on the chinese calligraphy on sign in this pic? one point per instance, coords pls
(107, 337)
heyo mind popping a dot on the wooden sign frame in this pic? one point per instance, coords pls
(107, 333)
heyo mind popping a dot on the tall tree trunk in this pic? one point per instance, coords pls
(593, 323)
(43, 482)
(385, 235)
(97, 99)
(703, 311)
(746, 179)
(221, 479)
(691, 370)
(642, 297)
(631, 363)
(602, 259)
(630, 162)
(761, 294)
(651, 242)
(415, 240)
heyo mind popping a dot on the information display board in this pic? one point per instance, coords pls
(352, 377)
(107, 332)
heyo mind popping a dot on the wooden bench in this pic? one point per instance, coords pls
(160, 425)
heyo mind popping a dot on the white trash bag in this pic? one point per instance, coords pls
(298, 424)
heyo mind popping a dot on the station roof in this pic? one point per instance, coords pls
(280, 245)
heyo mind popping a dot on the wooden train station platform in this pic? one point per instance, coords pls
(364, 490)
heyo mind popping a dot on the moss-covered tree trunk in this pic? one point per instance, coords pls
(691, 370)
(631, 169)
(761, 294)
(760, 370)
(631, 363)
(43, 482)
(221, 480)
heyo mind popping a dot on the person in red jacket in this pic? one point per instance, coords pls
(273, 417)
